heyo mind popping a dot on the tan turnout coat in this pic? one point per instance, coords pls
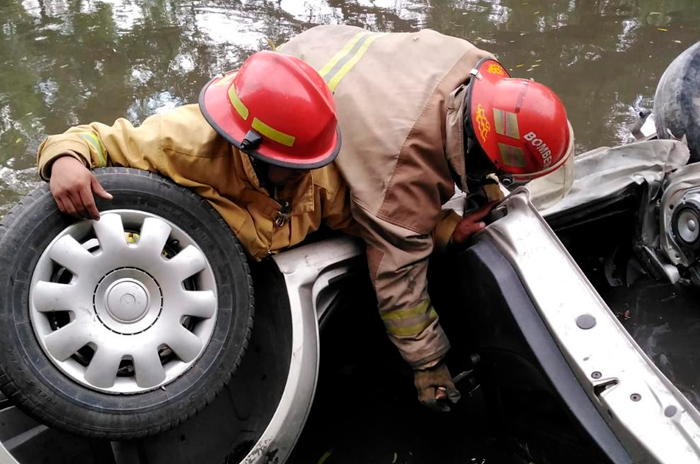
(181, 145)
(400, 99)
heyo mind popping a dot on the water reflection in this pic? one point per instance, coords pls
(69, 61)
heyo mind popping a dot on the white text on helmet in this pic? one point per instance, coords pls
(541, 147)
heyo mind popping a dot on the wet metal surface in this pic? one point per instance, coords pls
(68, 61)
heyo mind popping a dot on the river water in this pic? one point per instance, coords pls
(63, 62)
(69, 61)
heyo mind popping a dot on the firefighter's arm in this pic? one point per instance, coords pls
(398, 261)
(99, 145)
(64, 160)
(398, 265)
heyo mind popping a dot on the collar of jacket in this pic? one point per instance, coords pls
(454, 139)
(300, 197)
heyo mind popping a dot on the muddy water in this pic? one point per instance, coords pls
(68, 61)
(65, 61)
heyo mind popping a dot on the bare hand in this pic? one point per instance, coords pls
(73, 185)
(471, 224)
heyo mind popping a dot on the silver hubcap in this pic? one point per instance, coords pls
(124, 304)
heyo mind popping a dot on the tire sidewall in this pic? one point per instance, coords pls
(675, 100)
(38, 382)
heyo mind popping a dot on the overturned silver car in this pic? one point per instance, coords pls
(538, 308)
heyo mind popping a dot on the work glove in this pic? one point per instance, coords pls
(435, 387)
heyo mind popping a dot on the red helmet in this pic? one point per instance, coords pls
(276, 108)
(520, 124)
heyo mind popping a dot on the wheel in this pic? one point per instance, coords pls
(677, 100)
(126, 326)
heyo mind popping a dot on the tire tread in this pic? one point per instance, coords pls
(37, 410)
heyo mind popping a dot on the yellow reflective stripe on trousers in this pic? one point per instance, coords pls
(273, 134)
(409, 321)
(343, 61)
(95, 142)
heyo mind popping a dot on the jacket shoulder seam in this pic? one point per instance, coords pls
(402, 150)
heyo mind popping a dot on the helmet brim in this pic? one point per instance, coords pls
(216, 109)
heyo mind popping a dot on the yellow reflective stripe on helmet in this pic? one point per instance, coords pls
(343, 61)
(225, 79)
(506, 123)
(262, 128)
(512, 129)
(237, 103)
(96, 143)
(273, 134)
(512, 156)
(499, 121)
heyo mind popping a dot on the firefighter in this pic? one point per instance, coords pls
(259, 147)
(419, 111)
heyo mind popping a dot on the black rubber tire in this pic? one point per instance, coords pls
(677, 100)
(30, 380)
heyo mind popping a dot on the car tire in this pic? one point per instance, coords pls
(676, 108)
(213, 304)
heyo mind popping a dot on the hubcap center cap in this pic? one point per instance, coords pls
(127, 301)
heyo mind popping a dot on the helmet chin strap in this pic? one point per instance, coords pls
(251, 141)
